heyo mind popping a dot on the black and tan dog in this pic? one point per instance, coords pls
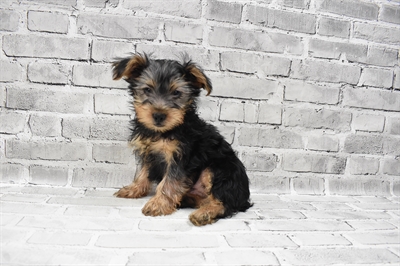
(189, 160)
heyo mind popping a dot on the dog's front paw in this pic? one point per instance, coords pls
(201, 217)
(132, 191)
(157, 206)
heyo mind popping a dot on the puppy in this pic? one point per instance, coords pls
(189, 160)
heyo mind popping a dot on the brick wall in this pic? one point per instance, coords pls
(307, 91)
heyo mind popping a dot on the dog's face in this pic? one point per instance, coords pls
(163, 90)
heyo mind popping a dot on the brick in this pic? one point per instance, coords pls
(269, 184)
(68, 3)
(113, 26)
(10, 71)
(306, 92)
(243, 257)
(101, 3)
(259, 161)
(109, 51)
(11, 173)
(12, 123)
(110, 129)
(376, 33)
(396, 82)
(375, 238)
(208, 109)
(47, 100)
(60, 238)
(334, 27)
(112, 104)
(270, 114)
(371, 225)
(102, 177)
(313, 163)
(45, 150)
(73, 127)
(24, 198)
(303, 4)
(178, 8)
(380, 56)
(250, 112)
(46, 46)
(335, 256)
(48, 21)
(166, 257)
(207, 59)
(224, 11)
(320, 239)
(323, 143)
(228, 132)
(376, 77)
(48, 73)
(350, 8)
(281, 214)
(261, 41)
(9, 20)
(96, 76)
(317, 118)
(261, 240)
(358, 186)
(391, 145)
(231, 111)
(47, 175)
(183, 32)
(243, 87)
(366, 122)
(304, 225)
(300, 22)
(362, 165)
(2, 96)
(396, 188)
(112, 153)
(83, 211)
(335, 50)
(325, 71)
(364, 144)
(309, 186)
(390, 14)
(270, 138)
(393, 125)
(391, 167)
(157, 241)
(254, 63)
(371, 98)
(45, 125)
(102, 201)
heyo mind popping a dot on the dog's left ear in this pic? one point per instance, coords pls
(130, 68)
(196, 77)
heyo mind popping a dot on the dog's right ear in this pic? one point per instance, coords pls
(130, 68)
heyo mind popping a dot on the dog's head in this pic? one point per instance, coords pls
(163, 90)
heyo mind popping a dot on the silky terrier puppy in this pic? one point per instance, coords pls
(189, 160)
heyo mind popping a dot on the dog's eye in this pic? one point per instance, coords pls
(147, 90)
(176, 93)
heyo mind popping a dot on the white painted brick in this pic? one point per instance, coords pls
(271, 138)
(108, 51)
(48, 73)
(183, 32)
(396, 82)
(356, 186)
(371, 98)
(303, 4)
(364, 144)
(100, 3)
(261, 240)
(44, 175)
(228, 132)
(280, 214)
(351, 8)
(28, 208)
(391, 167)
(74, 127)
(270, 114)
(393, 126)
(102, 177)
(366, 122)
(323, 143)
(381, 56)
(371, 225)
(320, 239)
(250, 112)
(362, 165)
(45, 125)
(48, 21)
(112, 104)
(307, 92)
(9, 20)
(167, 257)
(390, 14)
(224, 11)
(12, 123)
(112, 153)
(60, 238)
(376, 77)
(376, 33)
(232, 111)
(269, 184)
(315, 163)
(11, 173)
(10, 71)
(95, 211)
(208, 109)
(259, 161)
(334, 27)
(46, 46)
(242, 257)
(375, 238)
(113, 128)
(304, 225)
(310, 186)
(335, 50)
(96, 76)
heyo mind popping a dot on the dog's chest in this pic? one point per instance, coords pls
(166, 147)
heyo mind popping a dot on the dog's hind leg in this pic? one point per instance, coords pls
(210, 210)
(140, 187)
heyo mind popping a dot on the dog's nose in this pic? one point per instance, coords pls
(159, 118)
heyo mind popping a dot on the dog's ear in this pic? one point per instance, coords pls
(130, 68)
(196, 77)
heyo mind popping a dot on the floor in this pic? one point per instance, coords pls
(70, 226)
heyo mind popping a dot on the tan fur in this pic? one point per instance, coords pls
(210, 209)
(200, 78)
(140, 187)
